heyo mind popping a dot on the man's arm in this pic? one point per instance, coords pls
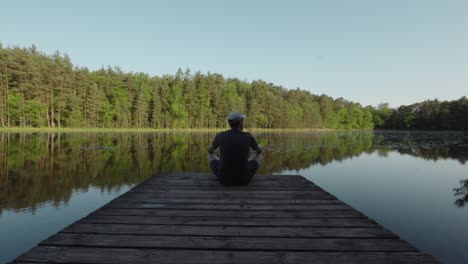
(258, 150)
(211, 149)
(254, 145)
(214, 145)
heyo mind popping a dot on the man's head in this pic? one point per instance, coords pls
(236, 120)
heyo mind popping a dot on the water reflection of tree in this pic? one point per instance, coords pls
(36, 168)
(300, 151)
(461, 193)
(39, 168)
(426, 145)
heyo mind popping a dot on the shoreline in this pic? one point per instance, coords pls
(157, 130)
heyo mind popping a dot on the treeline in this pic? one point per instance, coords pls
(39, 90)
(428, 115)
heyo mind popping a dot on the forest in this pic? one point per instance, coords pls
(39, 90)
(427, 115)
(48, 91)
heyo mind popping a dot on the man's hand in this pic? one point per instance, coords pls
(257, 156)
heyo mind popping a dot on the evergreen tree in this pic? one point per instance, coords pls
(39, 90)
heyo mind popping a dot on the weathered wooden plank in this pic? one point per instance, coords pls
(191, 218)
(319, 205)
(215, 183)
(216, 186)
(229, 243)
(125, 255)
(194, 191)
(124, 199)
(202, 175)
(233, 221)
(217, 196)
(231, 213)
(250, 231)
(212, 178)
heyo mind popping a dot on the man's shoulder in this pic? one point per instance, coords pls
(222, 133)
(234, 132)
(248, 134)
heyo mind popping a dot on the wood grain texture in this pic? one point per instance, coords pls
(191, 218)
(220, 191)
(230, 213)
(229, 243)
(200, 182)
(246, 200)
(88, 255)
(249, 231)
(318, 205)
(314, 195)
(229, 221)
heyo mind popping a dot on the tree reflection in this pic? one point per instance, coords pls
(38, 168)
(461, 193)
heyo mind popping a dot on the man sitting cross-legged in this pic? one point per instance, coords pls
(235, 167)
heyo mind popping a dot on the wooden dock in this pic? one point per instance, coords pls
(191, 218)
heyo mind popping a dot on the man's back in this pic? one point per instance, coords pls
(234, 149)
(235, 167)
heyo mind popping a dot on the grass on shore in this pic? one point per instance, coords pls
(150, 130)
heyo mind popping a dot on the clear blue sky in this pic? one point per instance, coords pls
(398, 51)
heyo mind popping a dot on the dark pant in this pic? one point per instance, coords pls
(252, 167)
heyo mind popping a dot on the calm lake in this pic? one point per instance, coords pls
(413, 183)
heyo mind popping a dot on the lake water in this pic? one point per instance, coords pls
(413, 183)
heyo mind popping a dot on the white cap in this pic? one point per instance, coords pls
(235, 117)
